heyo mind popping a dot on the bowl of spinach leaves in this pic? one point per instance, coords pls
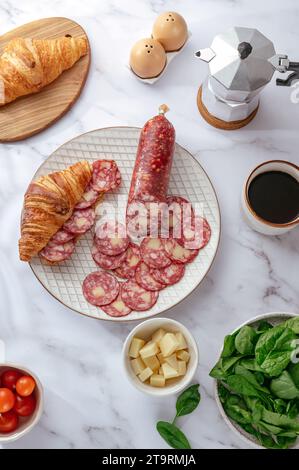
(257, 381)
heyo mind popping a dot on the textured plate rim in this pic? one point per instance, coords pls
(243, 435)
(125, 319)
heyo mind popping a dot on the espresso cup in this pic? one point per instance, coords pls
(251, 217)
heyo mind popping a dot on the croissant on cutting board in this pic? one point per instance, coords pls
(49, 202)
(28, 65)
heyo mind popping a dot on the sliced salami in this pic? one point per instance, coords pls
(117, 308)
(169, 275)
(57, 253)
(144, 278)
(89, 198)
(179, 210)
(153, 253)
(196, 233)
(80, 221)
(105, 261)
(61, 237)
(127, 269)
(178, 253)
(100, 288)
(136, 297)
(111, 238)
(105, 175)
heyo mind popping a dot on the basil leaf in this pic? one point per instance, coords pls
(274, 349)
(174, 437)
(284, 387)
(188, 401)
(245, 340)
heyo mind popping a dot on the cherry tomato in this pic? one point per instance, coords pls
(9, 421)
(9, 379)
(24, 406)
(25, 385)
(7, 400)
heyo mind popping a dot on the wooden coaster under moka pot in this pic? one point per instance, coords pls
(219, 123)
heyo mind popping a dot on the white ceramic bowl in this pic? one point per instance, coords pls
(275, 318)
(26, 423)
(144, 330)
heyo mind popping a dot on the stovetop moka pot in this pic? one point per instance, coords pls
(241, 62)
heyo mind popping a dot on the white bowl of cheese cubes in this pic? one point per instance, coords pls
(160, 356)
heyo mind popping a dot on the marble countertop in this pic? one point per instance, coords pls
(88, 402)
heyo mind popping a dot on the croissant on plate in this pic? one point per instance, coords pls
(49, 202)
(28, 65)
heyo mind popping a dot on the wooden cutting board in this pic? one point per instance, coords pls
(33, 113)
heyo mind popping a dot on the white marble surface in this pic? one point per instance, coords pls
(88, 402)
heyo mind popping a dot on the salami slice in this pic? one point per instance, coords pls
(89, 198)
(153, 253)
(61, 237)
(105, 261)
(80, 221)
(100, 288)
(196, 233)
(111, 238)
(180, 209)
(169, 275)
(117, 308)
(144, 278)
(127, 268)
(136, 297)
(105, 175)
(178, 253)
(56, 253)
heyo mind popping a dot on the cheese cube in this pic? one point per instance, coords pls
(161, 371)
(150, 349)
(172, 361)
(137, 365)
(135, 347)
(183, 355)
(152, 362)
(181, 340)
(157, 380)
(161, 358)
(182, 367)
(158, 335)
(169, 372)
(145, 374)
(168, 344)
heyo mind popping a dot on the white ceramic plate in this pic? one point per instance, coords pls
(188, 179)
(275, 319)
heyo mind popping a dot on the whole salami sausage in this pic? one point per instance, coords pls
(153, 163)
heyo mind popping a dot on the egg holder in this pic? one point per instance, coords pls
(169, 58)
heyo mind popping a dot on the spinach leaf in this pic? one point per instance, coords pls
(220, 370)
(235, 408)
(174, 437)
(274, 349)
(284, 387)
(282, 421)
(280, 406)
(292, 323)
(223, 392)
(242, 386)
(229, 345)
(263, 326)
(250, 377)
(245, 340)
(188, 401)
(292, 409)
(250, 364)
(294, 373)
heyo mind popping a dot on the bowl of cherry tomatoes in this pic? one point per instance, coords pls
(21, 401)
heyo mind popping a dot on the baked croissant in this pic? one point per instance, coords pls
(49, 202)
(27, 65)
